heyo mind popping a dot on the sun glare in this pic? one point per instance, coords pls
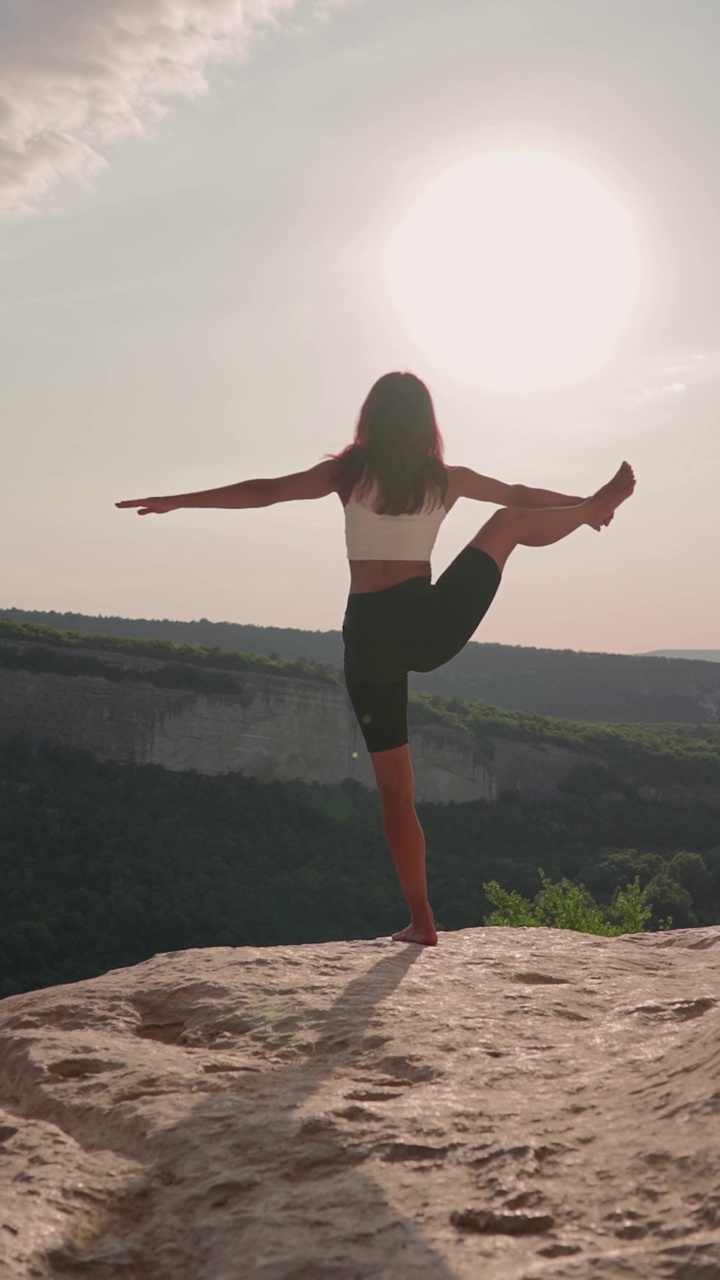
(516, 270)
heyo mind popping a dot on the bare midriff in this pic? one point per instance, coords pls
(377, 575)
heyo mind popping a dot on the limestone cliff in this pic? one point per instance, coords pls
(271, 727)
(513, 1105)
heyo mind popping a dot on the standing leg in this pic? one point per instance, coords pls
(381, 712)
(396, 785)
(540, 527)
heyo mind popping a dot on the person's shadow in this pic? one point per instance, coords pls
(252, 1186)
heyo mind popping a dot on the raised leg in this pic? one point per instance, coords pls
(396, 786)
(540, 527)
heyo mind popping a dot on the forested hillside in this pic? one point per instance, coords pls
(103, 865)
(74, 653)
(704, 655)
(553, 682)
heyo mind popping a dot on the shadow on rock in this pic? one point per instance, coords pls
(254, 1185)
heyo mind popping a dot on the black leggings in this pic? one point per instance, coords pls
(415, 626)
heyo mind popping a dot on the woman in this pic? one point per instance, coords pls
(396, 491)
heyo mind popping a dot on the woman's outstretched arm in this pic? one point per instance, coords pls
(532, 498)
(470, 484)
(315, 483)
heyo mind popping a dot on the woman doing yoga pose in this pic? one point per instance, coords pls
(396, 491)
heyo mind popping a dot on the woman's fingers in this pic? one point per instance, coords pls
(148, 506)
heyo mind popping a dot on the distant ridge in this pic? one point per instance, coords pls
(285, 642)
(591, 687)
(693, 655)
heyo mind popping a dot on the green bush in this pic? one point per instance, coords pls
(563, 905)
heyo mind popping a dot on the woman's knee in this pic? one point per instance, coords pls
(394, 776)
(396, 798)
(507, 520)
(501, 533)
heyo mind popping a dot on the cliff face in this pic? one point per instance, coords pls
(516, 1104)
(272, 728)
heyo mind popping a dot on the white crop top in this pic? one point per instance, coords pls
(369, 536)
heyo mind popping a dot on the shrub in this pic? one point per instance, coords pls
(563, 905)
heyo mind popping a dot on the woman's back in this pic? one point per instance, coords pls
(384, 550)
(370, 535)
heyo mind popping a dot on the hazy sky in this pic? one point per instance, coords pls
(217, 233)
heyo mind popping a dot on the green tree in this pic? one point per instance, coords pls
(670, 899)
(690, 870)
(564, 905)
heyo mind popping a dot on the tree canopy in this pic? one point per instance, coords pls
(104, 865)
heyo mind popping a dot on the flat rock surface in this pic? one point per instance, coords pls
(515, 1104)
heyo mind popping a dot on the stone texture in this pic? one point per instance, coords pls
(512, 1105)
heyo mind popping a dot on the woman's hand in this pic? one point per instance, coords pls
(151, 506)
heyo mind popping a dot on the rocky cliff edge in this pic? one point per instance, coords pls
(513, 1105)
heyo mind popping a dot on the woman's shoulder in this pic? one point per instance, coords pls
(454, 488)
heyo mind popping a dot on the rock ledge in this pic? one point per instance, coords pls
(513, 1105)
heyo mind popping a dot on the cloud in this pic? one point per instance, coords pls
(697, 362)
(671, 377)
(670, 388)
(78, 75)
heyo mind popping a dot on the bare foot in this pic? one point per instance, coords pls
(425, 935)
(603, 504)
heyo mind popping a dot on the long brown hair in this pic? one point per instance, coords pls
(397, 444)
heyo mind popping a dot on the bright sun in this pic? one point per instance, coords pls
(516, 270)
